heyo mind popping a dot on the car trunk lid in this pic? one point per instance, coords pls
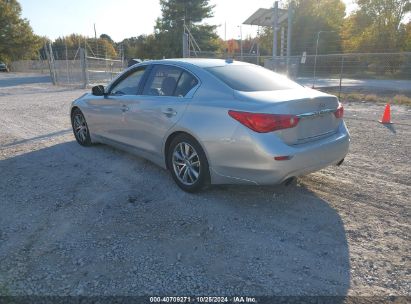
(314, 109)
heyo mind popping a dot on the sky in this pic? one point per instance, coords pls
(129, 18)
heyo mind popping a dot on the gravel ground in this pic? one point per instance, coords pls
(98, 221)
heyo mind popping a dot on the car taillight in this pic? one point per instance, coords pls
(339, 113)
(263, 123)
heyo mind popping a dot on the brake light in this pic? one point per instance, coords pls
(339, 113)
(286, 157)
(264, 123)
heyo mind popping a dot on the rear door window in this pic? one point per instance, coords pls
(162, 81)
(185, 84)
(167, 80)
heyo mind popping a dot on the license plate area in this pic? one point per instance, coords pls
(315, 125)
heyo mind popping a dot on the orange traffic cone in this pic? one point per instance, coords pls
(386, 117)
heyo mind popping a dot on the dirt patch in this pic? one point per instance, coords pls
(97, 221)
(368, 95)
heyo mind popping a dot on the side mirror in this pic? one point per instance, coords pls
(98, 90)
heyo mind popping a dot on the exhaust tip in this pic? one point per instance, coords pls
(289, 181)
(340, 162)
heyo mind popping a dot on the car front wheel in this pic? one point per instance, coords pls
(80, 128)
(188, 163)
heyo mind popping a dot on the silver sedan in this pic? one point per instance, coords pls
(211, 121)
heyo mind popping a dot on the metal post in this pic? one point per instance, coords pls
(185, 46)
(41, 63)
(67, 64)
(46, 49)
(282, 37)
(258, 48)
(225, 31)
(275, 24)
(83, 63)
(316, 53)
(289, 30)
(122, 56)
(341, 72)
(241, 42)
(107, 64)
(86, 68)
(315, 59)
(52, 65)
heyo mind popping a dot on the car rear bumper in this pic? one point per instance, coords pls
(252, 161)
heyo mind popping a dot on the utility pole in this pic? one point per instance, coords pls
(52, 64)
(316, 54)
(225, 31)
(341, 73)
(289, 31)
(241, 42)
(258, 45)
(67, 64)
(95, 37)
(275, 25)
(186, 47)
(122, 55)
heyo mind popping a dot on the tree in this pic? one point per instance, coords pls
(170, 27)
(232, 46)
(142, 47)
(376, 26)
(100, 47)
(311, 17)
(407, 38)
(17, 40)
(108, 38)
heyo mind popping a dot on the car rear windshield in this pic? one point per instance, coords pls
(251, 78)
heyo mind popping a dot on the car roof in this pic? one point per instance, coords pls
(201, 62)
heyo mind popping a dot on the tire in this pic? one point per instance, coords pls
(80, 128)
(188, 163)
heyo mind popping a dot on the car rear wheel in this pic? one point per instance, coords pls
(188, 163)
(80, 128)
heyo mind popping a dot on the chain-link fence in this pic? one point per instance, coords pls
(65, 66)
(251, 58)
(77, 67)
(72, 67)
(30, 66)
(102, 70)
(335, 66)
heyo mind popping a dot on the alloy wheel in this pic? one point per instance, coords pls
(80, 127)
(186, 163)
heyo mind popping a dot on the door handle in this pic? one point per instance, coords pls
(125, 108)
(169, 112)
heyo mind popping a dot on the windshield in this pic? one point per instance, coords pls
(251, 78)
